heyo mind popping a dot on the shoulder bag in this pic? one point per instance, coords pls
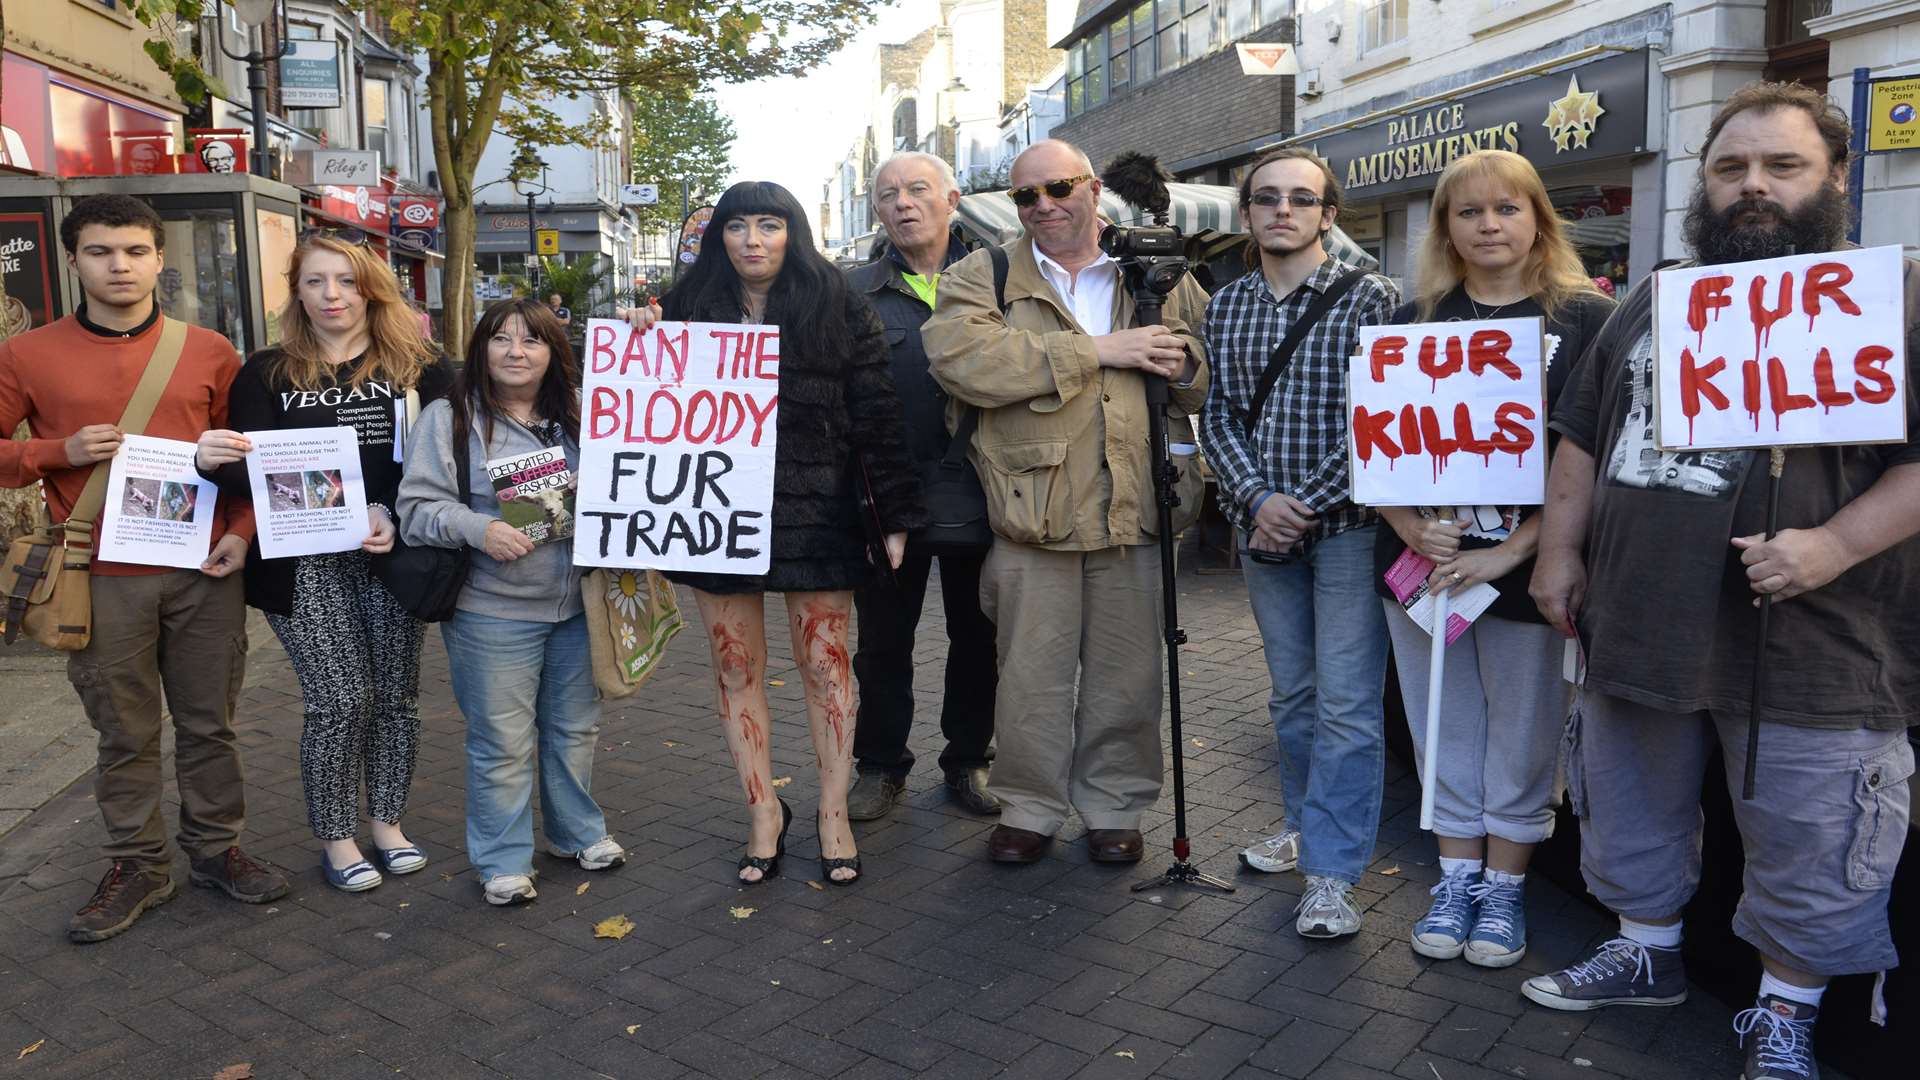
(47, 580)
(427, 580)
(956, 503)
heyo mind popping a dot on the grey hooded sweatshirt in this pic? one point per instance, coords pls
(543, 586)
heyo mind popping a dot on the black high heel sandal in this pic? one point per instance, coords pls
(828, 866)
(769, 868)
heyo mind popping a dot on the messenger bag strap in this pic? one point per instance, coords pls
(1283, 353)
(146, 398)
(970, 417)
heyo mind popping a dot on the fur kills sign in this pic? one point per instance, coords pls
(1449, 414)
(1806, 350)
(677, 428)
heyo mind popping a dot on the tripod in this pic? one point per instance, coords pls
(1148, 304)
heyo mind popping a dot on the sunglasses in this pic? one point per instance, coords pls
(1271, 199)
(345, 236)
(1025, 197)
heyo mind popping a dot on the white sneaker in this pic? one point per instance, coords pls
(1326, 909)
(603, 853)
(1274, 855)
(510, 889)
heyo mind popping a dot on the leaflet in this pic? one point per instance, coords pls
(159, 512)
(536, 493)
(1407, 579)
(308, 494)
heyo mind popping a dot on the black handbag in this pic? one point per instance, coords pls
(956, 503)
(427, 580)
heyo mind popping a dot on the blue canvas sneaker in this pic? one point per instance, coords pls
(1499, 937)
(1442, 932)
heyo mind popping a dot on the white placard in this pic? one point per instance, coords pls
(308, 494)
(677, 439)
(159, 512)
(1807, 350)
(1449, 413)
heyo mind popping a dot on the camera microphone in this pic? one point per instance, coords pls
(1140, 182)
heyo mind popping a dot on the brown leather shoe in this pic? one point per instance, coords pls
(1008, 844)
(240, 877)
(1114, 845)
(124, 893)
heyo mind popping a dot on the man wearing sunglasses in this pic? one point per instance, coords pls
(1056, 367)
(1282, 467)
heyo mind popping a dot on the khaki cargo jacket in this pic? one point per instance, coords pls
(1062, 448)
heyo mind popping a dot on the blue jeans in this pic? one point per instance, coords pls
(525, 686)
(1325, 637)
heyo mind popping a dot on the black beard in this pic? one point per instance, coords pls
(1820, 224)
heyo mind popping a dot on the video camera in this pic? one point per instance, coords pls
(1152, 257)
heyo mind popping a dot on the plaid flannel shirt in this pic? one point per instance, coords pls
(1299, 447)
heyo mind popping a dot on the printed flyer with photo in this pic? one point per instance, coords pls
(308, 494)
(159, 512)
(536, 493)
(1407, 578)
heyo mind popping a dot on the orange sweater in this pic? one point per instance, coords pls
(61, 377)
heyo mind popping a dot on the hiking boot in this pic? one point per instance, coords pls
(1326, 909)
(873, 794)
(233, 873)
(1620, 972)
(123, 894)
(1276, 854)
(1442, 932)
(1777, 1036)
(1499, 937)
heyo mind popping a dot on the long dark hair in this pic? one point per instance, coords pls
(559, 394)
(808, 300)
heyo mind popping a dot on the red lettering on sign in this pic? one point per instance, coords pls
(766, 361)
(600, 347)
(1386, 352)
(1782, 395)
(1823, 385)
(1704, 302)
(1369, 431)
(1514, 436)
(1749, 393)
(1827, 279)
(1488, 349)
(1696, 380)
(1870, 364)
(605, 405)
(1429, 362)
(1764, 317)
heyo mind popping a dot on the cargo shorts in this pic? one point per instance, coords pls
(1823, 832)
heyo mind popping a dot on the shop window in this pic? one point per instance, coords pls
(1143, 66)
(373, 99)
(202, 280)
(277, 240)
(1199, 32)
(1793, 53)
(1383, 23)
(1118, 52)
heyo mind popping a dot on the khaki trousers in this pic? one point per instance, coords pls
(1066, 621)
(181, 635)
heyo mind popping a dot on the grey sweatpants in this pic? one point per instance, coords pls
(1503, 707)
(1822, 834)
(1077, 715)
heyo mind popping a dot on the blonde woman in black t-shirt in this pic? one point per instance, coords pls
(351, 348)
(1494, 250)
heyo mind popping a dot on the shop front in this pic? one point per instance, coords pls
(503, 244)
(1582, 125)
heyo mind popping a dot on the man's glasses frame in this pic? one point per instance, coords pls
(1025, 197)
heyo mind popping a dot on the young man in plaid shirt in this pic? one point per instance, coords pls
(1309, 558)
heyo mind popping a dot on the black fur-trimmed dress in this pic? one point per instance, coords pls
(830, 408)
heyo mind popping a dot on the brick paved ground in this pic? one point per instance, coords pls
(938, 964)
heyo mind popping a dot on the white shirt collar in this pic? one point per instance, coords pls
(1052, 268)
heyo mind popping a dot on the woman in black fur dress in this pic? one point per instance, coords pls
(836, 401)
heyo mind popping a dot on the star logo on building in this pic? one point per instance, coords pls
(1571, 120)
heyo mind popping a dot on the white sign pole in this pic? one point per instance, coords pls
(1436, 676)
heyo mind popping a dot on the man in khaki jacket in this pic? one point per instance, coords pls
(1073, 581)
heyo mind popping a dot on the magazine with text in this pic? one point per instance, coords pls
(536, 493)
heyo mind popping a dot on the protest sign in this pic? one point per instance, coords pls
(1449, 413)
(677, 436)
(308, 495)
(1806, 350)
(159, 512)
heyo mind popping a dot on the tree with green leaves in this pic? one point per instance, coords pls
(497, 66)
(680, 141)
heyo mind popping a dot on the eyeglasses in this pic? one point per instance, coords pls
(1024, 197)
(356, 237)
(1271, 199)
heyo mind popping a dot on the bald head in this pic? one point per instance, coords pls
(1066, 228)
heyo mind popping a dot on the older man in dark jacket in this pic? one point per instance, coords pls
(915, 195)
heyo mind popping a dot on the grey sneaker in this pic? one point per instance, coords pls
(510, 889)
(1620, 972)
(1274, 855)
(1777, 1035)
(873, 794)
(604, 853)
(1326, 909)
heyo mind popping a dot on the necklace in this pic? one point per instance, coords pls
(1490, 312)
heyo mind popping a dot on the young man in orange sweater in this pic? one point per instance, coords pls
(156, 630)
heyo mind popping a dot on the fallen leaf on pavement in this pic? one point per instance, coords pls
(405, 904)
(582, 890)
(826, 941)
(30, 1049)
(617, 927)
(242, 1071)
(1199, 744)
(669, 743)
(816, 885)
(782, 781)
(775, 982)
(742, 912)
(1390, 871)
(631, 1028)
(1128, 1054)
(776, 682)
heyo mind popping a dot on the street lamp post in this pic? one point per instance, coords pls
(529, 181)
(254, 15)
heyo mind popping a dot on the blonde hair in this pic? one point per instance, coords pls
(1554, 273)
(397, 350)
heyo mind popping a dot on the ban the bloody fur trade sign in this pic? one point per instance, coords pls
(677, 427)
(1447, 414)
(1806, 350)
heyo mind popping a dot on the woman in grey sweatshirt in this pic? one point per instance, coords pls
(517, 643)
